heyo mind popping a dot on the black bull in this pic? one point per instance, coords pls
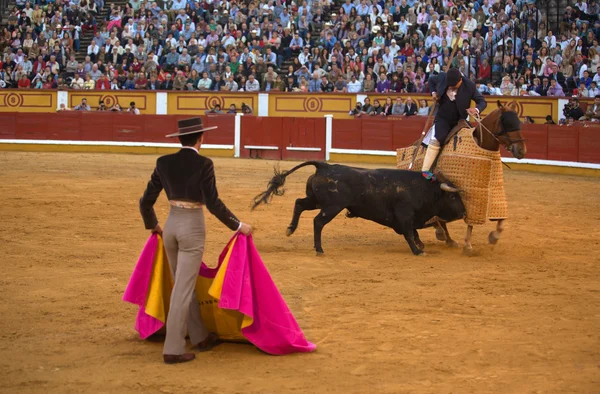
(401, 200)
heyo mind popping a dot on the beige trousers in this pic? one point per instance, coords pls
(184, 235)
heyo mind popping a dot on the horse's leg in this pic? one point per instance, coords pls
(468, 248)
(449, 241)
(440, 234)
(495, 235)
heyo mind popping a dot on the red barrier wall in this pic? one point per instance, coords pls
(371, 133)
(287, 135)
(292, 138)
(106, 126)
(544, 142)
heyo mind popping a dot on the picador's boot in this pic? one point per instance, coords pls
(430, 155)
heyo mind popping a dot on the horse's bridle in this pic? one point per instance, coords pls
(502, 133)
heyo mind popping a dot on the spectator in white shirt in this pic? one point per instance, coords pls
(550, 40)
(252, 84)
(354, 86)
(303, 57)
(93, 50)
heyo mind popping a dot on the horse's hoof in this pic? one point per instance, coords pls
(492, 238)
(468, 250)
(289, 231)
(452, 244)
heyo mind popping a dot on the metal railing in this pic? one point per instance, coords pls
(3, 6)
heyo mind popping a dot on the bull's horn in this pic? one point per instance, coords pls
(447, 188)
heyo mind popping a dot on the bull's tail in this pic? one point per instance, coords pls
(275, 186)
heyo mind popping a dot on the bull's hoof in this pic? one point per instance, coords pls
(493, 238)
(319, 252)
(440, 234)
(420, 245)
(467, 250)
(421, 254)
(290, 231)
(452, 243)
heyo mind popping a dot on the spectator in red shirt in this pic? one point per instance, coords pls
(24, 82)
(103, 83)
(485, 71)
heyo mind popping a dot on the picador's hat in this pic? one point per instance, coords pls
(190, 126)
(453, 78)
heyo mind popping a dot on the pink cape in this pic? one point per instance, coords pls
(247, 287)
(137, 289)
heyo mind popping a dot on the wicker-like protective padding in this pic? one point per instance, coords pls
(476, 171)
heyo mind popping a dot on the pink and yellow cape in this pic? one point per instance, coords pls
(238, 299)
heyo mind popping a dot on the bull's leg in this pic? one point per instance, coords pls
(325, 216)
(302, 204)
(449, 241)
(418, 241)
(409, 236)
(468, 248)
(495, 235)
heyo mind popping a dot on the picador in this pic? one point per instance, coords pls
(454, 93)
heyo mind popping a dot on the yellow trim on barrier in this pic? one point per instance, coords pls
(356, 158)
(391, 160)
(145, 150)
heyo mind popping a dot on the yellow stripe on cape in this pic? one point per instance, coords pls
(226, 323)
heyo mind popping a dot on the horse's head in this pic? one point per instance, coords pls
(508, 130)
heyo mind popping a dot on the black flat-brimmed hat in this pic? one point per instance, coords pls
(190, 126)
(453, 77)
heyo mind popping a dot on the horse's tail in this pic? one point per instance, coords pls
(275, 186)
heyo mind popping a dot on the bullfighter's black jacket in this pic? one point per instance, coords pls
(185, 176)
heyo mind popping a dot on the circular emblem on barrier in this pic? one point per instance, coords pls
(14, 100)
(312, 104)
(109, 101)
(213, 101)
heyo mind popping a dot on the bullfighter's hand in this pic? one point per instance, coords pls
(472, 111)
(157, 230)
(246, 229)
(434, 96)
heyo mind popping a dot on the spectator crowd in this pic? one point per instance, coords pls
(305, 46)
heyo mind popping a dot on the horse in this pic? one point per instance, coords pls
(501, 127)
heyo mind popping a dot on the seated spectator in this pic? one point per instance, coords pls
(77, 82)
(423, 108)
(89, 84)
(398, 107)
(24, 82)
(376, 109)
(83, 106)
(357, 110)
(387, 108)
(410, 108)
(593, 111)
(133, 109)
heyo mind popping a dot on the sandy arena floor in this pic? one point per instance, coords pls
(523, 317)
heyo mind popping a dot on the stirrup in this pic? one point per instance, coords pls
(429, 175)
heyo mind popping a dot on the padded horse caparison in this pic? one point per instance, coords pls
(462, 124)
